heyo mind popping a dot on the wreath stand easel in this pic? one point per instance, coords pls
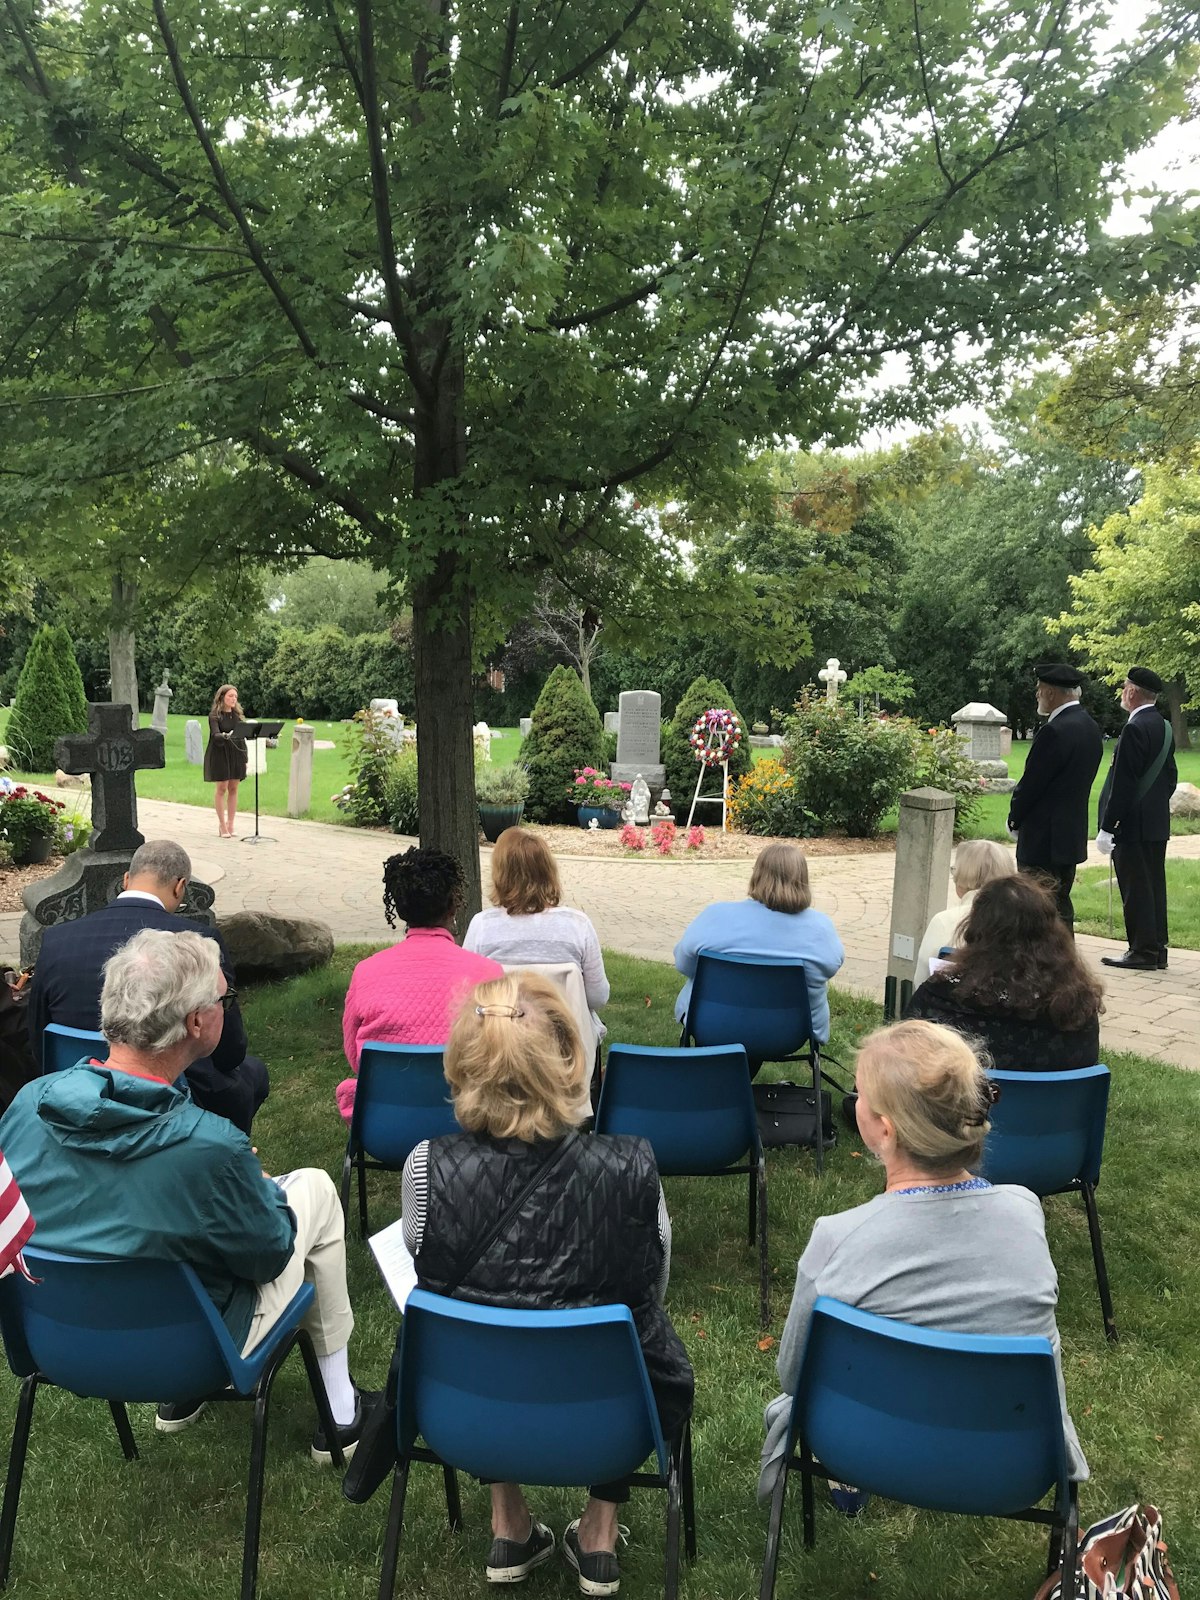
(722, 799)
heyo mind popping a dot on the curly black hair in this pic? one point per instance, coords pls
(423, 888)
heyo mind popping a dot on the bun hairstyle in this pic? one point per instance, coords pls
(515, 1063)
(932, 1087)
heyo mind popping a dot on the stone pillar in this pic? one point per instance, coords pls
(921, 885)
(300, 774)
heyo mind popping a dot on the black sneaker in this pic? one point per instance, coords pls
(175, 1418)
(349, 1434)
(598, 1571)
(512, 1560)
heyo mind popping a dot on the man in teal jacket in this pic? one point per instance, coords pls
(116, 1160)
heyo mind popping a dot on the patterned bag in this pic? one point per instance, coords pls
(1122, 1558)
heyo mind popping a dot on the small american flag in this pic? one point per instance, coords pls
(15, 1222)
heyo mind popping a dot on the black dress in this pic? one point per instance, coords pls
(224, 758)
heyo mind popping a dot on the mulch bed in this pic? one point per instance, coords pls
(14, 879)
(717, 846)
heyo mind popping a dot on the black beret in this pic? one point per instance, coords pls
(1058, 675)
(1145, 678)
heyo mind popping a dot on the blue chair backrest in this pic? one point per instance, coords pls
(696, 1107)
(66, 1047)
(759, 1002)
(947, 1421)
(115, 1330)
(402, 1097)
(1047, 1128)
(545, 1397)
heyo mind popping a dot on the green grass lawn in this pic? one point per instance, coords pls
(1090, 897)
(169, 1524)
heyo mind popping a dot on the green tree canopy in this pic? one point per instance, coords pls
(445, 282)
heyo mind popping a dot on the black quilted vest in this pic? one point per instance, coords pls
(587, 1236)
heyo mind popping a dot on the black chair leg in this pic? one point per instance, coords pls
(819, 1123)
(16, 1472)
(347, 1164)
(362, 1195)
(808, 1498)
(689, 1492)
(1106, 1305)
(671, 1585)
(764, 1266)
(752, 1209)
(766, 1588)
(395, 1526)
(453, 1503)
(254, 1489)
(1070, 1546)
(124, 1432)
(320, 1397)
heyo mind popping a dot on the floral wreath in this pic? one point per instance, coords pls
(727, 728)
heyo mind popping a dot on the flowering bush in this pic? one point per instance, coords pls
(944, 764)
(847, 770)
(765, 802)
(695, 838)
(27, 814)
(663, 836)
(632, 838)
(591, 788)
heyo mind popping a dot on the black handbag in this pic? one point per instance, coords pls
(786, 1115)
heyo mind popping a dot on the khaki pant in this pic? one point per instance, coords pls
(319, 1258)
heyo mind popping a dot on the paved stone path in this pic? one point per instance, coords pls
(638, 906)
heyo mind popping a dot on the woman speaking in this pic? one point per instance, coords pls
(225, 755)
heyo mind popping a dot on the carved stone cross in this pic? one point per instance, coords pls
(831, 675)
(112, 750)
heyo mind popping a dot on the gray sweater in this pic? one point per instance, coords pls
(971, 1262)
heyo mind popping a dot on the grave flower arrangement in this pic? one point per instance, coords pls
(715, 735)
(591, 788)
(27, 815)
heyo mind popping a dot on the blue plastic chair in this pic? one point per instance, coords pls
(67, 1047)
(761, 1003)
(402, 1097)
(946, 1421)
(126, 1331)
(1048, 1135)
(540, 1397)
(696, 1108)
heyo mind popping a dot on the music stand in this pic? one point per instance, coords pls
(257, 730)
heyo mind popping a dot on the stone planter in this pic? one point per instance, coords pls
(494, 819)
(603, 815)
(36, 848)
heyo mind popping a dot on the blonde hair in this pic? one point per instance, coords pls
(515, 1062)
(978, 861)
(524, 876)
(779, 880)
(218, 701)
(932, 1087)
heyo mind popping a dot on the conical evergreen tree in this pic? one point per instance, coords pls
(49, 702)
(566, 734)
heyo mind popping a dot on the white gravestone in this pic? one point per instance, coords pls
(612, 722)
(388, 713)
(193, 742)
(301, 771)
(162, 703)
(638, 737)
(831, 675)
(979, 726)
(256, 756)
(526, 726)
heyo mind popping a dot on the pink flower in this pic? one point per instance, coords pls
(695, 838)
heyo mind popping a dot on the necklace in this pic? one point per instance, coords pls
(944, 1188)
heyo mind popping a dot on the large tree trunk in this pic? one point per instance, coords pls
(1179, 727)
(122, 659)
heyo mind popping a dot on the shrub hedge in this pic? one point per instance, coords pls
(49, 701)
(566, 734)
(700, 695)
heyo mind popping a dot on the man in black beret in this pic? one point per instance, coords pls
(1048, 810)
(1135, 820)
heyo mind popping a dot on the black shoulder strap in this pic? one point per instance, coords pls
(510, 1210)
(1156, 766)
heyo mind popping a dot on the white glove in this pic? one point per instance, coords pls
(1104, 843)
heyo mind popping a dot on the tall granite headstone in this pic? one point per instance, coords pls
(162, 704)
(193, 740)
(638, 735)
(112, 751)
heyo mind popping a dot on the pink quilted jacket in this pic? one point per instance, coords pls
(408, 994)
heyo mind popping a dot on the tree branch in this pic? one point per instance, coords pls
(937, 142)
(601, 50)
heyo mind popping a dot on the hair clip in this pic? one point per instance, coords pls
(499, 1011)
(992, 1091)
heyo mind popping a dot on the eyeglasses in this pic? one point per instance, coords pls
(227, 999)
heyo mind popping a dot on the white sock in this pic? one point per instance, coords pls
(336, 1375)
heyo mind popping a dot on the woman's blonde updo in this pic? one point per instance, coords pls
(931, 1086)
(515, 1063)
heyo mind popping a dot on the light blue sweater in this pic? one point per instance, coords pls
(748, 928)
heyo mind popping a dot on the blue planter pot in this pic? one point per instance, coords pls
(602, 814)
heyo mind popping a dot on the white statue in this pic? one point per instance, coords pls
(831, 675)
(663, 809)
(639, 798)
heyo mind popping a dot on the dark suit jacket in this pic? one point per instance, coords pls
(1049, 807)
(68, 975)
(1137, 748)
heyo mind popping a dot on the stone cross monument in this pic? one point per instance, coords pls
(112, 751)
(162, 704)
(831, 675)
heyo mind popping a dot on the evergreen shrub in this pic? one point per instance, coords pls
(682, 766)
(49, 701)
(848, 770)
(566, 734)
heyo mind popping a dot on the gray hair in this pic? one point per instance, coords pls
(978, 861)
(160, 859)
(152, 983)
